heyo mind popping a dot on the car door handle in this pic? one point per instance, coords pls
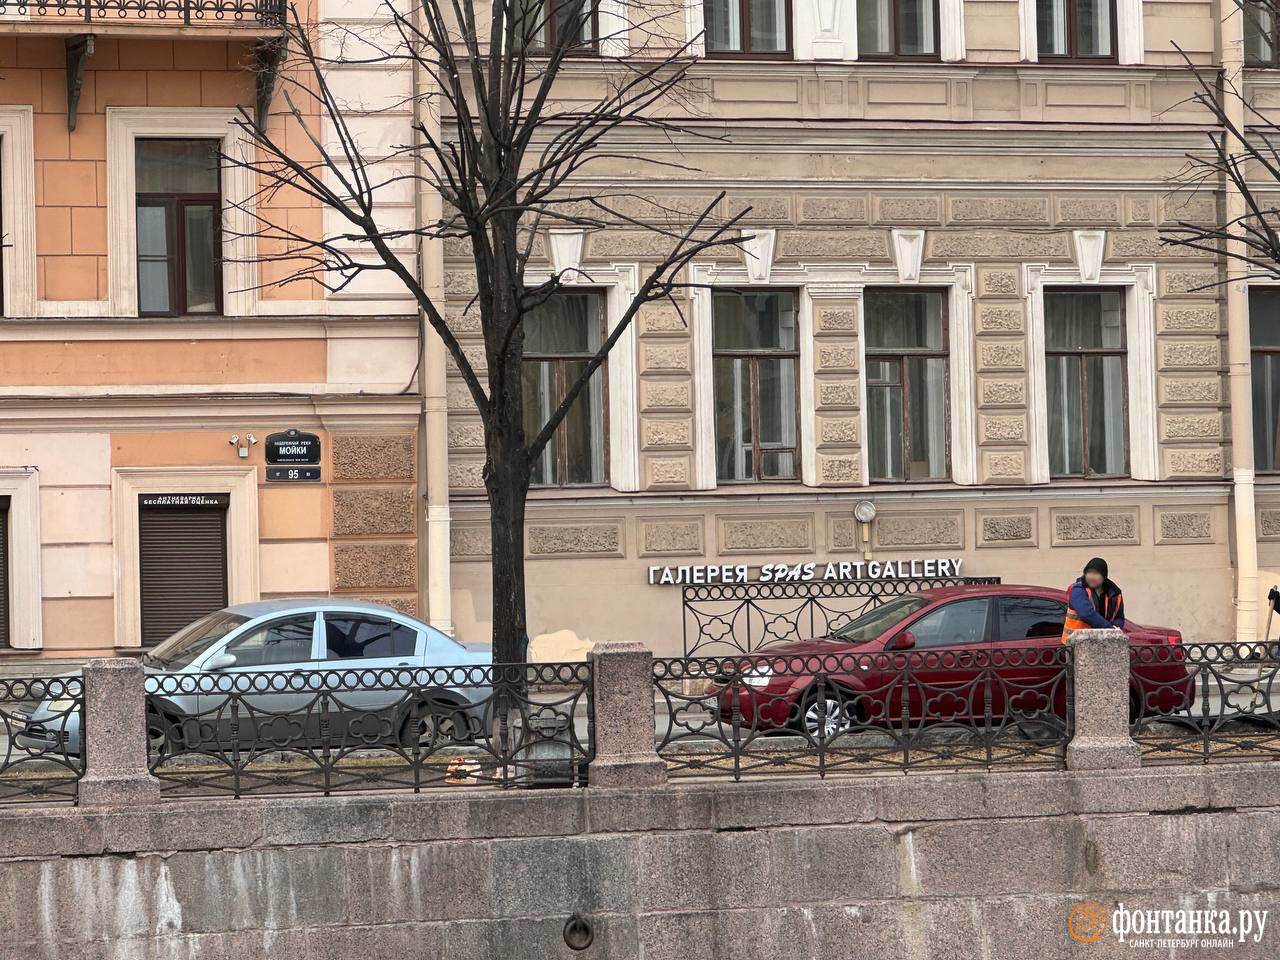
(404, 663)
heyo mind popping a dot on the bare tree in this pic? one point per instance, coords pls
(1242, 157)
(497, 138)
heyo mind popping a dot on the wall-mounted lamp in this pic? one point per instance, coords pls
(864, 511)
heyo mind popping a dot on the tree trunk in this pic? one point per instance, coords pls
(507, 482)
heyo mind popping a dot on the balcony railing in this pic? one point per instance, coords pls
(187, 12)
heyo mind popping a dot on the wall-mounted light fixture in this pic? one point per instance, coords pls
(242, 444)
(864, 511)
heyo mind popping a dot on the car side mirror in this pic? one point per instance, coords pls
(221, 661)
(906, 640)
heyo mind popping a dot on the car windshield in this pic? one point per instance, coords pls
(194, 639)
(875, 622)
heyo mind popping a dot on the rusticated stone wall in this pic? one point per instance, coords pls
(666, 398)
(589, 560)
(997, 232)
(918, 867)
(374, 540)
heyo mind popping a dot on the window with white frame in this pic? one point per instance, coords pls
(755, 364)
(1086, 382)
(1264, 344)
(1076, 29)
(178, 216)
(560, 338)
(898, 29)
(759, 28)
(547, 25)
(908, 421)
(1261, 33)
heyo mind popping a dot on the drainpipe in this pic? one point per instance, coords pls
(1239, 362)
(433, 445)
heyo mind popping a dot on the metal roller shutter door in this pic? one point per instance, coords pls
(182, 566)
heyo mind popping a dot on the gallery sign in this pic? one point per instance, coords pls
(701, 574)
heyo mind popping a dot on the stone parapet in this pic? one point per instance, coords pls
(114, 736)
(1101, 689)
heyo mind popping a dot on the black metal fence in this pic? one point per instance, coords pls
(828, 714)
(1205, 702)
(43, 720)
(196, 12)
(351, 730)
(742, 618)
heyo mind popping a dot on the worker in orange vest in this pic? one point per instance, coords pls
(1093, 601)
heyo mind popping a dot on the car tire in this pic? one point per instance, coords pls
(435, 725)
(825, 714)
(160, 733)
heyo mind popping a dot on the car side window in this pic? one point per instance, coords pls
(365, 637)
(281, 641)
(1026, 618)
(963, 622)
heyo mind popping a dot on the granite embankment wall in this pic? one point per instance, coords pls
(920, 866)
(932, 866)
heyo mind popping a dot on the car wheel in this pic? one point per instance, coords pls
(431, 726)
(826, 713)
(160, 733)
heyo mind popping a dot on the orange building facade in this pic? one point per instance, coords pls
(150, 361)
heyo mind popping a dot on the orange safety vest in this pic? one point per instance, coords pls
(1074, 622)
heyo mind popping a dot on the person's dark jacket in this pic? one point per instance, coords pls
(1088, 609)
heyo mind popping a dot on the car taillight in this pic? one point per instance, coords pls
(1173, 638)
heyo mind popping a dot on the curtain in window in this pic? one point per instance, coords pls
(1264, 333)
(1051, 27)
(1085, 391)
(875, 27)
(755, 368)
(768, 25)
(916, 31)
(1259, 28)
(561, 336)
(723, 24)
(1093, 28)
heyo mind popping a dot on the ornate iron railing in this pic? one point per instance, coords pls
(191, 12)
(742, 618)
(947, 709)
(351, 730)
(1205, 702)
(41, 720)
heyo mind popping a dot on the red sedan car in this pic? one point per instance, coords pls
(967, 655)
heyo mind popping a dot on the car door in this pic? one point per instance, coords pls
(375, 657)
(1030, 677)
(946, 666)
(263, 699)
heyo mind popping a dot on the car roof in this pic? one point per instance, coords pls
(993, 589)
(264, 608)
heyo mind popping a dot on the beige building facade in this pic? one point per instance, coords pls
(953, 302)
(1002, 202)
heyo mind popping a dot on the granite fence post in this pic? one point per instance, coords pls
(1101, 691)
(114, 736)
(625, 755)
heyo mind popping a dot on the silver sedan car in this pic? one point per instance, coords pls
(276, 668)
